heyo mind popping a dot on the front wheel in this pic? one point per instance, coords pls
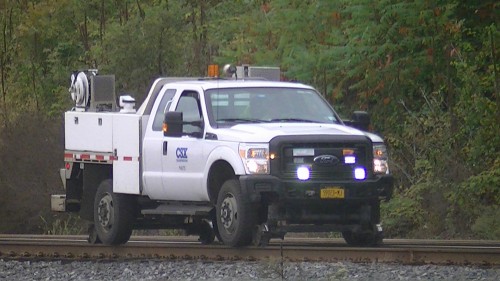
(114, 215)
(234, 214)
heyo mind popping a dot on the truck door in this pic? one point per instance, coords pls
(183, 157)
(153, 145)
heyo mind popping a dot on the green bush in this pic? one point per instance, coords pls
(487, 225)
(400, 216)
(474, 205)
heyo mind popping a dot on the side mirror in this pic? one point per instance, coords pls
(360, 120)
(175, 126)
(172, 124)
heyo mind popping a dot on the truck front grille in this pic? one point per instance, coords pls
(327, 157)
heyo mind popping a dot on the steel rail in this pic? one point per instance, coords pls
(289, 240)
(463, 252)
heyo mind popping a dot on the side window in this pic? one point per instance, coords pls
(189, 105)
(160, 113)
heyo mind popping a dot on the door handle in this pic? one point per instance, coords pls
(165, 148)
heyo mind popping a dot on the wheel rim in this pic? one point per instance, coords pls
(105, 212)
(229, 213)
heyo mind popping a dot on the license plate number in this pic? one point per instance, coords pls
(332, 193)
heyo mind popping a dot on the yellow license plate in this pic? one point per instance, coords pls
(332, 192)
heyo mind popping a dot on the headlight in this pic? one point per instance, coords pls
(380, 158)
(255, 157)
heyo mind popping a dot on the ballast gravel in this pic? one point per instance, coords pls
(261, 270)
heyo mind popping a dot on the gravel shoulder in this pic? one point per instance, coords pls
(261, 270)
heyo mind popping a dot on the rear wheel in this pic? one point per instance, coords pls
(234, 214)
(114, 215)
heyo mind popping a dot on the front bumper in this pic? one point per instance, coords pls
(297, 206)
(289, 191)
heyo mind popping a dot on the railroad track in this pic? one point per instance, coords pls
(463, 252)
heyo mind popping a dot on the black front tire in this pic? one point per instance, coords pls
(235, 216)
(114, 214)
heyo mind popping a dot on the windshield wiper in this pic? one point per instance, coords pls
(241, 120)
(293, 120)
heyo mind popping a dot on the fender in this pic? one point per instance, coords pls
(227, 153)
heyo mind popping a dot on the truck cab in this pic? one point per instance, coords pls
(241, 160)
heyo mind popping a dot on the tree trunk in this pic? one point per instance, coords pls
(102, 21)
(33, 70)
(495, 74)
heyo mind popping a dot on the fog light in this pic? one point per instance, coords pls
(303, 173)
(252, 166)
(359, 173)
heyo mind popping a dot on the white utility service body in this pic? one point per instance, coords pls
(107, 137)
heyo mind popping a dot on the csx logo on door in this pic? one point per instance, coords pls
(181, 153)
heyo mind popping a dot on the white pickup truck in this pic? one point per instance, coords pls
(239, 159)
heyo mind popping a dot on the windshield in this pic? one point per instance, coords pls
(260, 105)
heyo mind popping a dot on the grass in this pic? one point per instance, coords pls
(71, 225)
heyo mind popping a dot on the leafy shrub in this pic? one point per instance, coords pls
(475, 205)
(400, 216)
(487, 225)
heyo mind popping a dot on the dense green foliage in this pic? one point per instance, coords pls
(427, 71)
